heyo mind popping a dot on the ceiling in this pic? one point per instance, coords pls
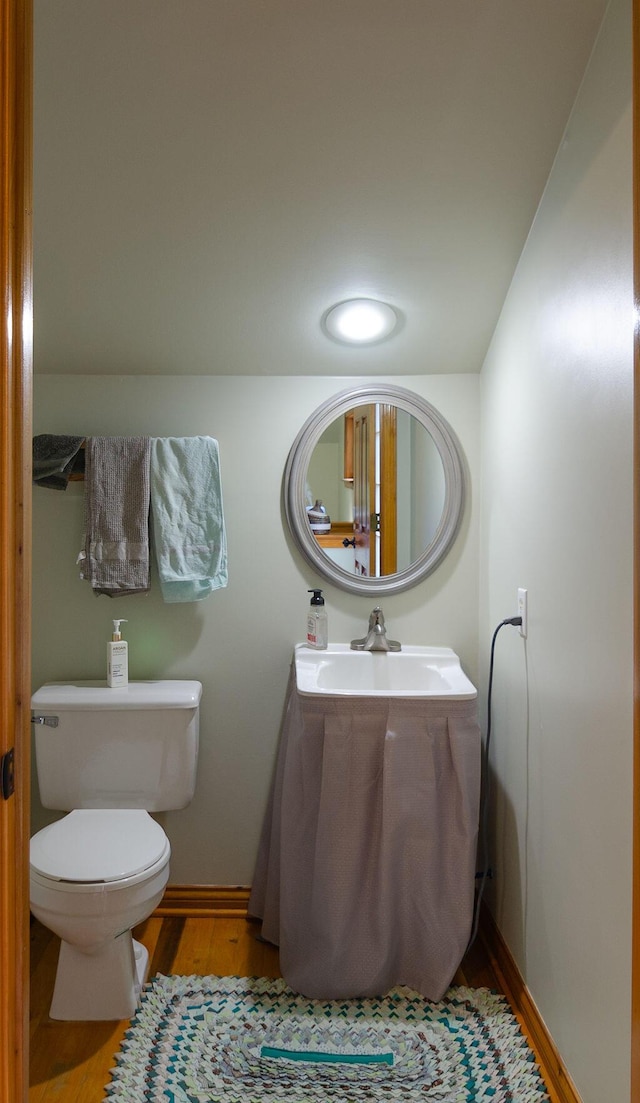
(211, 175)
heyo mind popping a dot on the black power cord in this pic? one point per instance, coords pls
(484, 811)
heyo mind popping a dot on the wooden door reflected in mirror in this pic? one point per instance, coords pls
(378, 472)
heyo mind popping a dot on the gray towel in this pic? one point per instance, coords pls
(115, 555)
(55, 458)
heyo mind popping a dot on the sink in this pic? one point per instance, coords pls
(432, 672)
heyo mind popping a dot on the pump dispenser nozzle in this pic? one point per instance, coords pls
(117, 634)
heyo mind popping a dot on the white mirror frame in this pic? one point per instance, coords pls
(295, 478)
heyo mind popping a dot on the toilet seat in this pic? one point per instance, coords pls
(104, 847)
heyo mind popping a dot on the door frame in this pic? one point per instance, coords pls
(388, 488)
(15, 565)
(364, 467)
(635, 974)
(15, 536)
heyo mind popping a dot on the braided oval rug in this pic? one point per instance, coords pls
(252, 1040)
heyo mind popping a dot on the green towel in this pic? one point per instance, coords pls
(187, 516)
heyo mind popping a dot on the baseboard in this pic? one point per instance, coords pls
(204, 901)
(560, 1084)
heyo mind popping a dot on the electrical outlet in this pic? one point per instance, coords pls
(522, 611)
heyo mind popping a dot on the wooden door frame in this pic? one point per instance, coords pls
(635, 979)
(15, 535)
(15, 568)
(388, 488)
(364, 476)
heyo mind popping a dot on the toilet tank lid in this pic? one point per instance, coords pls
(162, 694)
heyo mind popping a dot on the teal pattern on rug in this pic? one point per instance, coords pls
(253, 1040)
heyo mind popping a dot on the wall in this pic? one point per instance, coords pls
(556, 519)
(239, 641)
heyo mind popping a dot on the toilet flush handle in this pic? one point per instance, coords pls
(50, 721)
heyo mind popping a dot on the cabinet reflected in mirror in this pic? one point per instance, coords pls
(380, 477)
(388, 471)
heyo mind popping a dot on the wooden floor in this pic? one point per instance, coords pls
(70, 1062)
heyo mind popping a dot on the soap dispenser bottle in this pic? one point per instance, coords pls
(317, 624)
(117, 658)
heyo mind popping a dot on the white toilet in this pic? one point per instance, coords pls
(108, 757)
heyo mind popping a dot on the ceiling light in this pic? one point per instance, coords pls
(360, 321)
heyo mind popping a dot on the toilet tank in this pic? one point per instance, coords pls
(135, 747)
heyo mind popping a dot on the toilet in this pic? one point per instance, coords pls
(107, 757)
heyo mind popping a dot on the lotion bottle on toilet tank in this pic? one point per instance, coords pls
(117, 658)
(317, 624)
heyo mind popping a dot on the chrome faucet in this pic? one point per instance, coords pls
(376, 638)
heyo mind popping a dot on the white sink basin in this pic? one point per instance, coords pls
(433, 672)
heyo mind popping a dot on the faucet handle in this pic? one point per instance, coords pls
(377, 617)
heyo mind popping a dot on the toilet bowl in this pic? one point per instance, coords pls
(94, 875)
(107, 757)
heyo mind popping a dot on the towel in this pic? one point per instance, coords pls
(115, 555)
(187, 517)
(55, 459)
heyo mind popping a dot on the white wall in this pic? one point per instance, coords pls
(557, 519)
(239, 641)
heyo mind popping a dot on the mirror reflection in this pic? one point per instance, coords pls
(373, 489)
(378, 475)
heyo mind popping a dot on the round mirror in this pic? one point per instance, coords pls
(374, 489)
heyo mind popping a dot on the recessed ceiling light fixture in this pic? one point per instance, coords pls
(360, 321)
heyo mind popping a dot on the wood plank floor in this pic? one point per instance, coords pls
(70, 1062)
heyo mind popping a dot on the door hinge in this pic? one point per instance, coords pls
(6, 774)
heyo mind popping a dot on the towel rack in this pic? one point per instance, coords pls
(78, 476)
